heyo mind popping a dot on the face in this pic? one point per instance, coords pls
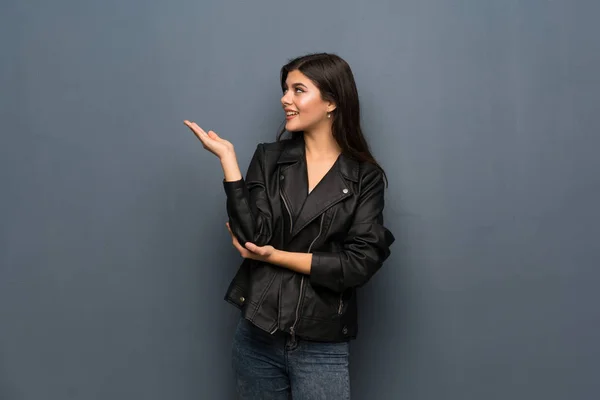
(302, 102)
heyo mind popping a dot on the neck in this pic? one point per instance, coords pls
(321, 144)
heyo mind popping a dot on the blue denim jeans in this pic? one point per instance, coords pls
(273, 367)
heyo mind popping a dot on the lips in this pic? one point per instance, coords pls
(289, 114)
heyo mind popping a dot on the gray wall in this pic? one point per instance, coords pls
(114, 256)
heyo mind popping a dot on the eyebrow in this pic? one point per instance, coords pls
(298, 84)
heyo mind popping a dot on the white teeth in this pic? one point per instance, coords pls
(291, 113)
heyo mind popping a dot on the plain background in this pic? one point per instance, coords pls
(114, 256)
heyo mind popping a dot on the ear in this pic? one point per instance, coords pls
(331, 106)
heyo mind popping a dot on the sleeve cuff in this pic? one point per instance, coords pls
(231, 186)
(325, 270)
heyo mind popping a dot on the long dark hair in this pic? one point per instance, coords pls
(334, 78)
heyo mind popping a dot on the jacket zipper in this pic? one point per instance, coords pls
(293, 328)
(289, 212)
(291, 230)
(341, 304)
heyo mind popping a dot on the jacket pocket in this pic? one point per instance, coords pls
(321, 303)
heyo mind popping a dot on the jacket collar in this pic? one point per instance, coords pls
(332, 189)
(295, 151)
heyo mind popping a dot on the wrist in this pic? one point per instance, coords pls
(274, 256)
(231, 170)
(228, 158)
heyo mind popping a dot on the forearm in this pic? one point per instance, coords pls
(231, 169)
(248, 205)
(299, 262)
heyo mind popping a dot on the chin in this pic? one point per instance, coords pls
(293, 128)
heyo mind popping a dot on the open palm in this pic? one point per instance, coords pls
(211, 141)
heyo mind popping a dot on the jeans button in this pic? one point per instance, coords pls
(242, 299)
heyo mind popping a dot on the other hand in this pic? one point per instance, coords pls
(252, 251)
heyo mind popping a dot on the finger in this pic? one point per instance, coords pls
(193, 126)
(258, 251)
(253, 248)
(231, 233)
(195, 131)
(238, 246)
(199, 132)
(241, 250)
(213, 135)
(198, 129)
(244, 253)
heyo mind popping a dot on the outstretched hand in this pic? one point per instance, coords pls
(211, 141)
(252, 251)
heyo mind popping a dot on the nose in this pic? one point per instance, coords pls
(286, 98)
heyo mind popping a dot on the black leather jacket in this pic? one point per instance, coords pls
(340, 222)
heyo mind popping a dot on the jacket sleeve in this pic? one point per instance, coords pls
(366, 246)
(248, 207)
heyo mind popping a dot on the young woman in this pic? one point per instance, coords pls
(308, 222)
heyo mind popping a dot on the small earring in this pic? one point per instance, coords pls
(328, 115)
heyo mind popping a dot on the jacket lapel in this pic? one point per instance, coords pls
(333, 188)
(293, 184)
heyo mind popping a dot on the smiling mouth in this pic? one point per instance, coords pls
(291, 113)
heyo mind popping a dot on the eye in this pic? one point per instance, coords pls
(299, 90)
